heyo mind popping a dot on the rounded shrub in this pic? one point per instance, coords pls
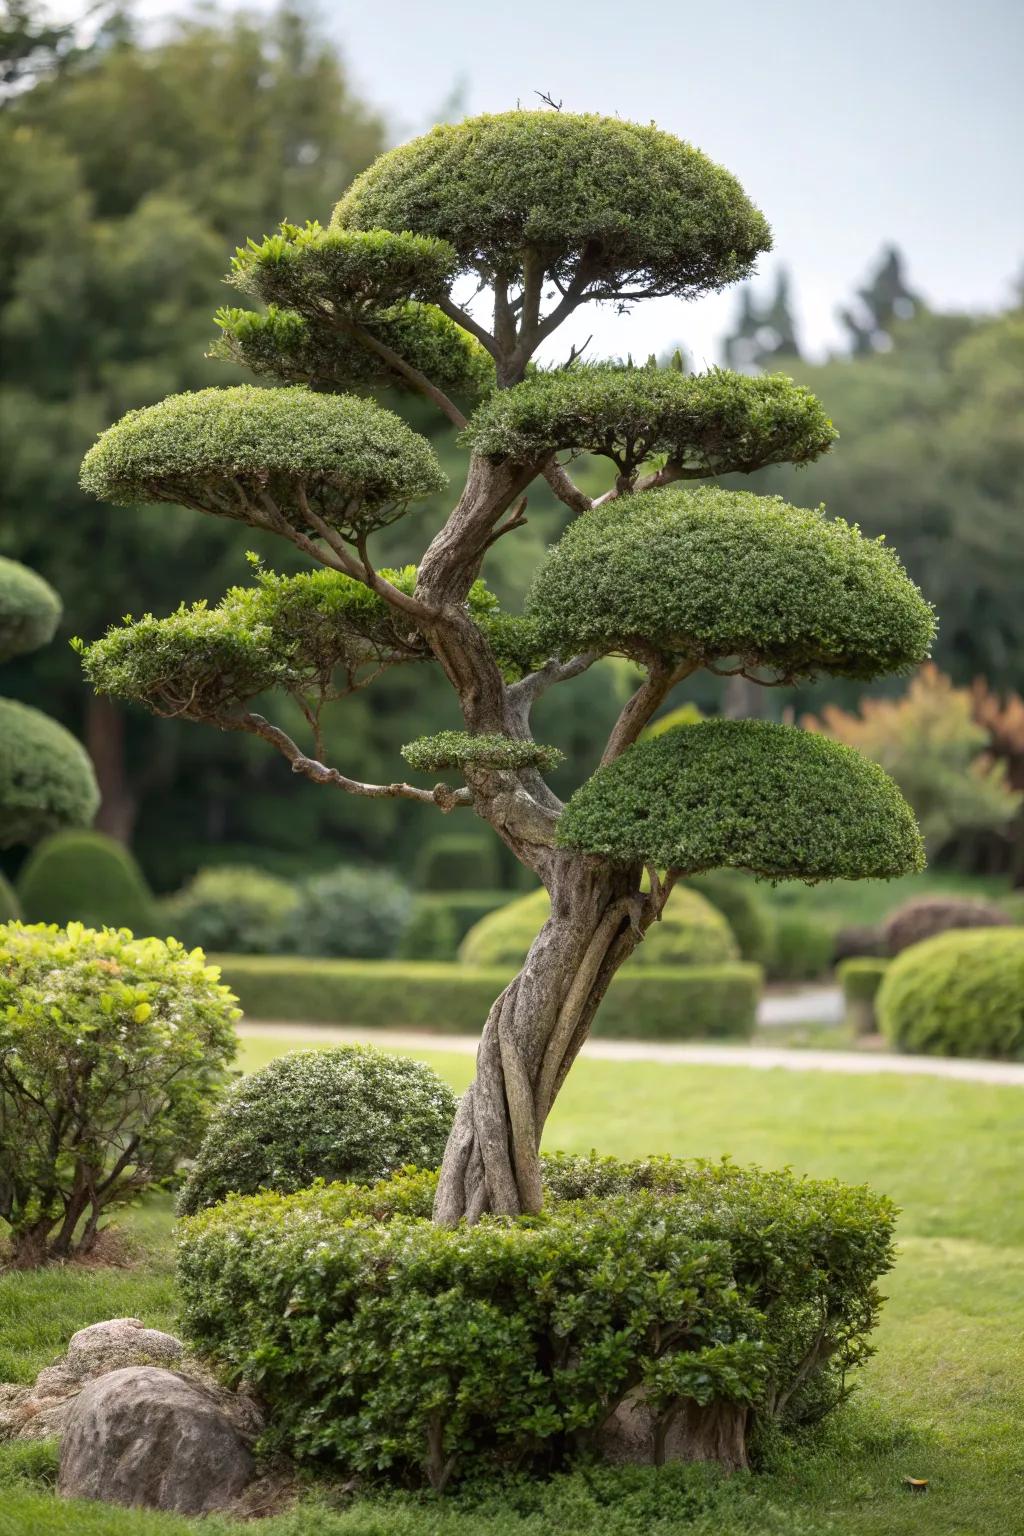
(389, 1346)
(357, 914)
(29, 610)
(112, 1053)
(640, 204)
(860, 978)
(234, 909)
(926, 916)
(458, 861)
(86, 877)
(46, 777)
(202, 447)
(350, 1113)
(10, 907)
(960, 993)
(691, 932)
(746, 794)
(713, 423)
(431, 934)
(733, 894)
(705, 573)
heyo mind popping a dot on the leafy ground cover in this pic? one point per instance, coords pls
(943, 1399)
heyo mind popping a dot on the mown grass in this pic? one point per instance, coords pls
(943, 1399)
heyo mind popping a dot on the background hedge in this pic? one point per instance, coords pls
(701, 1001)
(958, 994)
(86, 877)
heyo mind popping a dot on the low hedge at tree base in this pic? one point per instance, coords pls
(688, 1003)
(676, 1306)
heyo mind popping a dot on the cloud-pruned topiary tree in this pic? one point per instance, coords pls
(546, 212)
(46, 779)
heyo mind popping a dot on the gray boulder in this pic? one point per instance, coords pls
(36, 1412)
(150, 1437)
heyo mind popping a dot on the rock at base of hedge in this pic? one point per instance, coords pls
(716, 1432)
(150, 1437)
(38, 1412)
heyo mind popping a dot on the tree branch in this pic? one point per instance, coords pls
(413, 376)
(664, 476)
(463, 318)
(661, 678)
(363, 572)
(442, 795)
(565, 488)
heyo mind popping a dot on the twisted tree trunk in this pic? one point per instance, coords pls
(532, 1035)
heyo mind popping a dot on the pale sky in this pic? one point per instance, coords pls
(849, 124)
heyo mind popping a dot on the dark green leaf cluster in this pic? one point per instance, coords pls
(232, 452)
(746, 794)
(350, 913)
(46, 777)
(516, 644)
(314, 270)
(112, 1053)
(691, 932)
(714, 423)
(385, 1344)
(327, 356)
(458, 749)
(622, 206)
(86, 877)
(958, 994)
(704, 574)
(311, 633)
(349, 1112)
(29, 610)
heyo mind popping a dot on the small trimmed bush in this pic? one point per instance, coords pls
(29, 610)
(112, 1053)
(351, 913)
(10, 907)
(441, 920)
(386, 1345)
(458, 861)
(860, 978)
(958, 994)
(86, 877)
(681, 1003)
(691, 932)
(232, 907)
(47, 780)
(734, 895)
(926, 916)
(801, 948)
(349, 1113)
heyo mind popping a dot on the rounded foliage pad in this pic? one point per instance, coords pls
(623, 205)
(29, 610)
(219, 449)
(704, 574)
(306, 266)
(960, 993)
(46, 777)
(781, 802)
(349, 1112)
(709, 424)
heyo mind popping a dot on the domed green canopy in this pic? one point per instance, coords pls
(704, 574)
(221, 448)
(308, 268)
(29, 610)
(644, 210)
(746, 794)
(46, 777)
(711, 424)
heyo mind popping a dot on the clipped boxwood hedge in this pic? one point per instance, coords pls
(860, 978)
(958, 994)
(658, 1004)
(388, 1346)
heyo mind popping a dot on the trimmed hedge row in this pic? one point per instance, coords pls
(860, 978)
(656, 1004)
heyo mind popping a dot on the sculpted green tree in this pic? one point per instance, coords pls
(546, 213)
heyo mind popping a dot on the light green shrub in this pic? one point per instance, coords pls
(958, 994)
(232, 907)
(801, 948)
(351, 913)
(860, 978)
(734, 894)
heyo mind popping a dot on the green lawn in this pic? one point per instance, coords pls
(943, 1398)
